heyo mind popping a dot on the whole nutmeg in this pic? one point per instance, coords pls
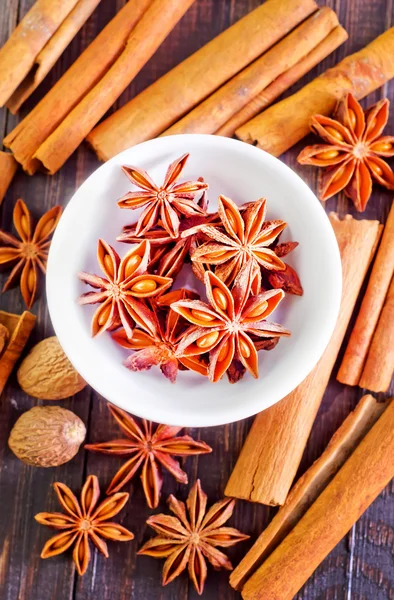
(47, 374)
(47, 436)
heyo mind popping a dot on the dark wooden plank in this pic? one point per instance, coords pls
(360, 567)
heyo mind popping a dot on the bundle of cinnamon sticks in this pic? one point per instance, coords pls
(369, 357)
(324, 504)
(63, 118)
(36, 44)
(250, 63)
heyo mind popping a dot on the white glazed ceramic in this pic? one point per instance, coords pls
(244, 173)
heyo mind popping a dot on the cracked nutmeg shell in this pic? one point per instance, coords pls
(47, 436)
(47, 374)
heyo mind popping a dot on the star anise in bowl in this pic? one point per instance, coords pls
(353, 152)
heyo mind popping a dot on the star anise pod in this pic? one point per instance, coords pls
(186, 540)
(126, 281)
(29, 253)
(169, 254)
(85, 520)
(353, 150)
(157, 348)
(223, 326)
(149, 449)
(165, 203)
(241, 236)
(286, 280)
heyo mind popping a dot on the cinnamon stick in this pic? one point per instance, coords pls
(361, 479)
(28, 39)
(273, 449)
(379, 367)
(371, 307)
(80, 78)
(193, 80)
(8, 168)
(45, 59)
(310, 485)
(284, 81)
(19, 328)
(232, 97)
(154, 26)
(285, 123)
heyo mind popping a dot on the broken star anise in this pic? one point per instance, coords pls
(241, 236)
(29, 253)
(164, 203)
(186, 540)
(84, 521)
(157, 348)
(148, 448)
(224, 326)
(126, 281)
(353, 152)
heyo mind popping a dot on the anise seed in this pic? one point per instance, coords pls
(334, 132)
(223, 352)
(207, 340)
(258, 310)
(352, 118)
(144, 286)
(220, 298)
(375, 168)
(47, 228)
(338, 174)
(201, 316)
(244, 348)
(104, 315)
(327, 154)
(382, 147)
(30, 280)
(132, 264)
(24, 224)
(108, 263)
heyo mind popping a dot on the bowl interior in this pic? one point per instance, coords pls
(243, 173)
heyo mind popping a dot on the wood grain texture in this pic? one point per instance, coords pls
(361, 567)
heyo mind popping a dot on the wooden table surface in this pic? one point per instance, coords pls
(360, 567)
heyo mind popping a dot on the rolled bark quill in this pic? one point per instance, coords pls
(193, 80)
(273, 449)
(18, 54)
(282, 125)
(8, 168)
(356, 485)
(371, 307)
(45, 59)
(19, 328)
(154, 26)
(80, 78)
(310, 485)
(379, 367)
(284, 81)
(232, 97)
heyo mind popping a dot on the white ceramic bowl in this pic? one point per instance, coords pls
(244, 173)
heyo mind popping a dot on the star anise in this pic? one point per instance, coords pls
(169, 254)
(126, 280)
(30, 252)
(165, 203)
(148, 448)
(242, 235)
(223, 327)
(187, 540)
(157, 348)
(353, 150)
(84, 521)
(286, 280)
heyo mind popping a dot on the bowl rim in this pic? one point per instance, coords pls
(206, 419)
